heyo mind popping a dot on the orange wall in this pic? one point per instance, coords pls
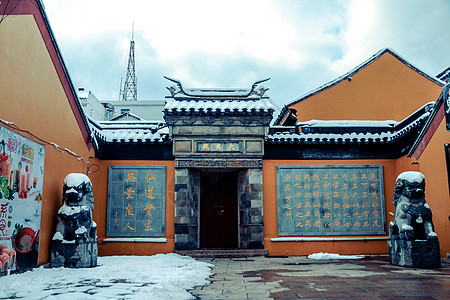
(432, 163)
(31, 96)
(100, 179)
(386, 89)
(306, 248)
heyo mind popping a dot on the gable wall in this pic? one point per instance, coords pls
(386, 89)
(32, 96)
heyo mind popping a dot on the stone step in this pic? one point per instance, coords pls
(223, 253)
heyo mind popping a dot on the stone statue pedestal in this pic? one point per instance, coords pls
(412, 240)
(418, 253)
(81, 254)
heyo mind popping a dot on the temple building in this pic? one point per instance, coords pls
(222, 170)
(321, 178)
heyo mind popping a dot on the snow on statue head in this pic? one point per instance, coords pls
(75, 241)
(77, 191)
(412, 218)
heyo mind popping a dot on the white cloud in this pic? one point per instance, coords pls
(413, 28)
(357, 34)
(204, 43)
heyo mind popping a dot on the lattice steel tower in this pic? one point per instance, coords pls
(129, 92)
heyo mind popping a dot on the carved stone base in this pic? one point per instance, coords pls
(418, 254)
(74, 255)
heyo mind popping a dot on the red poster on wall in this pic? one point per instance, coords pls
(21, 181)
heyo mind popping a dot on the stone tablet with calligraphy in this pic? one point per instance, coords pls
(330, 200)
(136, 201)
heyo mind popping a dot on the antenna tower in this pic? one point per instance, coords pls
(129, 92)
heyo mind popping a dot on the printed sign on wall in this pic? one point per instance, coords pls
(21, 180)
(330, 200)
(136, 201)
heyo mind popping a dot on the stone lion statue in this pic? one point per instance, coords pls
(75, 241)
(412, 217)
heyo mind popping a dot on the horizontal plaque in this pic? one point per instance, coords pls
(136, 201)
(330, 200)
(221, 147)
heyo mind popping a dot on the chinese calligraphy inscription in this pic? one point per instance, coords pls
(330, 200)
(136, 201)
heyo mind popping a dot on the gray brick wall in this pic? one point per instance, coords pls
(187, 191)
(250, 193)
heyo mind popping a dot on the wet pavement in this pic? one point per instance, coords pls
(301, 278)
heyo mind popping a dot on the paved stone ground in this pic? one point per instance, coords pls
(299, 277)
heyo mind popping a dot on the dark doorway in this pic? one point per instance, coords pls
(218, 210)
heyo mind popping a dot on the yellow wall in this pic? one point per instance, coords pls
(386, 89)
(432, 163)
(101, 195)
(32, 96)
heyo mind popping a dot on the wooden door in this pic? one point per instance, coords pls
(218, 210)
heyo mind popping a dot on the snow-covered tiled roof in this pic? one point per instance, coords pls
(327, 138)
(127, 114)
(345, 123)
(348, 131)
(83, 94)
(218, 107)
(217, 101)
(129, 131)
(444, 75)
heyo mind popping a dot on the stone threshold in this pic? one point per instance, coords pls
(223, 253)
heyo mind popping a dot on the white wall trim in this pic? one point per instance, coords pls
(136, 240)
(325, 239)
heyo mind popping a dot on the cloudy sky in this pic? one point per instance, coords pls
(299, 44)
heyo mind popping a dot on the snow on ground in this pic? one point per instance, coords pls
(162, 276)
(326, 256)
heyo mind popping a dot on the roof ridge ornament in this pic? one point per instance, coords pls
(172, 89)
(204, 93)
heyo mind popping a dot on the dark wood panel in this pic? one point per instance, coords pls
(218, 210)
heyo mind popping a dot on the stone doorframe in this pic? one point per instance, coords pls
(187, 207)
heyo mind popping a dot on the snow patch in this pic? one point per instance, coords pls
(412, 176)
(347, 123)
(162, 276)
(81, 230)
(68, 242)
(75, 179)
(327, 256)
(69, 210)
(58, 236)
(407, 227)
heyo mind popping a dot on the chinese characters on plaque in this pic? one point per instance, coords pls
(136, 201)
(330, 200)
(218, 147)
